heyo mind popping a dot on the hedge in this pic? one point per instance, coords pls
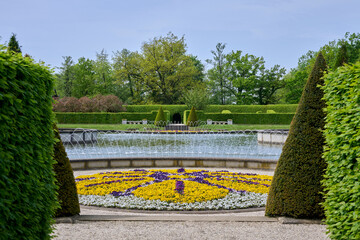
(172, 109)
(106, 118)
(280, 108)
(245, 118)
(342, 152)
(27, 183)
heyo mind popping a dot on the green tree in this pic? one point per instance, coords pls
(128, 74)
(217, 74)
(13, 45)
(103, 73)
(267, 84)
(296, 189)
(167, 69)
(341, 57)
(244, 75)
(197, 97)
(84, 82)
(65, 78)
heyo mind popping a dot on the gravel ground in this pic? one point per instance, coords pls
(184, 230)
(189, 230)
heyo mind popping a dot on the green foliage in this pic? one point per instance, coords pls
(160, 119)
(198, 97)
(13, 45)
(296, 187)
(270, 111)
(67, 194)
(192, 120)
(341, 57)
(27, 182)
(342, 152)
(279, 108)
(106, 118)
(249, 118)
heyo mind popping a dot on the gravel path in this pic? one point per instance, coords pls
(184, 230)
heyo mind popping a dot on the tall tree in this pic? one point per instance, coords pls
(128, 72)
(268, 83)
(84, 83)
(217, 74)
(168, 70)
(296, 189)
(341, 57)
(244, 74)
(103, 73)
(65, 78)
(13, 45)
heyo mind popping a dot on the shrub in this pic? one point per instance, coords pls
(296, 187)
(67, 104)
(342, 152)
(108, 103)
(86, 105)
(160, 119)
(192, 119)
(67, 194)
(27, 182)
(270, 111)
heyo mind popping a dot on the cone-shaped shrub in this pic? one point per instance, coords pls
(160, 119)
(67, 194)
(296, 187)
(192, 119)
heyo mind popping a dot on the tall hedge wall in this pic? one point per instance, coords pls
(342, 152)
(245, 118)
(27, 182)
(172, 109)
(106, 118)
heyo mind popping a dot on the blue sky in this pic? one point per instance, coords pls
(279, 30)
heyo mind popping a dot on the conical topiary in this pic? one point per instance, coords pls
(192, 119)
(296, 189)
(160, 119)
(67, 193)
(13, 45)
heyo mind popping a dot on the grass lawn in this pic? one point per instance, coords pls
(141, 127)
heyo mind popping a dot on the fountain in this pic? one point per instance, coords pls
(181, 148)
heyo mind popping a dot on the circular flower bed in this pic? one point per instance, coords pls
(178, 189)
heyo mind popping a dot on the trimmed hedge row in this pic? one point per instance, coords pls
(281, 108)
(245, 118)
(342, 152)
(172, 109)
(27, 182)
(106, 118)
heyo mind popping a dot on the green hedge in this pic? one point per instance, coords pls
(148, 108)
(342, 152)
(280, 108)
(27, 182)
(245, 118)
(106, 118)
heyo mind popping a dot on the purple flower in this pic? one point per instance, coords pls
(180, 170)
(179, 187)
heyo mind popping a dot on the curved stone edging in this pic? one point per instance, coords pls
(88, 164)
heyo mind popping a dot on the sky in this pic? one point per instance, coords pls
(281, 31)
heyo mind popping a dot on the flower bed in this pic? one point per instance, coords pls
(177, 189)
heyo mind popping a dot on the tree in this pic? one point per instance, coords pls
(13, 45)
(244, 74)
(268, 83)
(341, 57)
(217, 75)
(197, 97)
(103, 73)
(129, 74)
(64, 81)
(160, 119)
(167, 70)
(296, 189)
(84, 83)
